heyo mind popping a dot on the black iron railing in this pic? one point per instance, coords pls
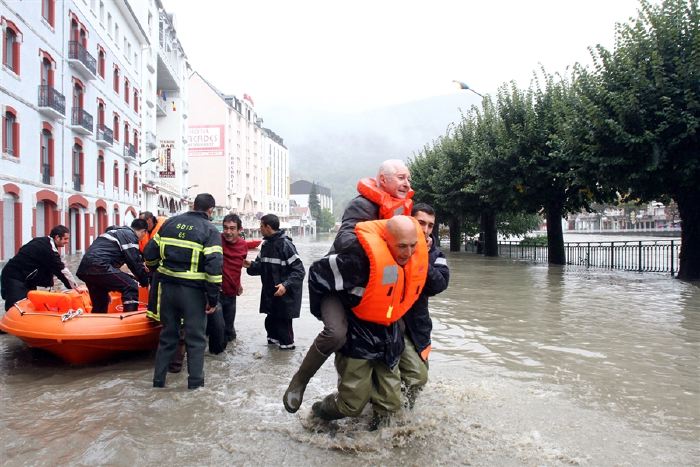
(641, 256)
(46, 174)
(76, 51)
(130, 151)
(82, 118)
(49, 97)
(105, 134)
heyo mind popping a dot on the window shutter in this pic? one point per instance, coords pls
(51, 164)
(15, 138)
(4, 133)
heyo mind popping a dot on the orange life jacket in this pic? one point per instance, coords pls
(391, 289)
(149, 235)
(388, 205)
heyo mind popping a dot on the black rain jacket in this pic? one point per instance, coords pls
(36, 263)
(109, 252)
(279, 263)
(417, 319)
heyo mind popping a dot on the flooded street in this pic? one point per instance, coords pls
(531, 365)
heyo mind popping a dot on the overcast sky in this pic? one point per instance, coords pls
(355, 55)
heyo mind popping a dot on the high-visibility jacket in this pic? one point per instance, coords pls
(149, 235)
(391, 289)
(187, 251)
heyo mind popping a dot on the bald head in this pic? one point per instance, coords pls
(394, 178)
(401, 238)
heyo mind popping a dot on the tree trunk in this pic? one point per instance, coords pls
(689, 209)
(488, 227)
(555, 236)
(455, 233)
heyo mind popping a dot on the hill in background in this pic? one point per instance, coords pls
(336, 150)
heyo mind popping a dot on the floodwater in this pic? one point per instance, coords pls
(532, 365)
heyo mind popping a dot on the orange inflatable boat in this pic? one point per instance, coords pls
(62, 323)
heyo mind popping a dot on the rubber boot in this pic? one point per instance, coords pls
(327, 409)
(379, 420)
(294, 394)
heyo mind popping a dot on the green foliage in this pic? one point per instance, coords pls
(539, 240)
(325, 221)
(314, 203)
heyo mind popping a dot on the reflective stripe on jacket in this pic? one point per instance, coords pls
(187, 250)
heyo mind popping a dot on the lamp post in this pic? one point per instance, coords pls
(152, 159)
(463, 85)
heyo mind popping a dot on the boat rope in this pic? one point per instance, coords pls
(70, 314)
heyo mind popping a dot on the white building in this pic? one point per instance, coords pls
(164, 118)
(301, 189)
(71, 99)
(276, 157)
(245, 167)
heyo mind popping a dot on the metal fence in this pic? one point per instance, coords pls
(642, 256)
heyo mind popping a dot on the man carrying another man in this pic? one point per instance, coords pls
(376, 288)
(381, 198)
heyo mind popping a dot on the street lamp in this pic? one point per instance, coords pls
(152, 159)
(463, 85)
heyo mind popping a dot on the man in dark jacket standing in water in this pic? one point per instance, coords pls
(417, 322)
(281, 273)
(100, 267)
(35, 264)
(381, 198)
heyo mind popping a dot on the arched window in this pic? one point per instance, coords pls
(126, 178)
(127, 90)
(77, 166)
(116, 127)
(48, 10)
(136, 100)
(101, 167)
(47, 166)
(136, 142)
(10, 133)
(116, 174)
(101, 59)
(10, 47)
(116, 79)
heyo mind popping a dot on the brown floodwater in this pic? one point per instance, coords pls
(532, 365)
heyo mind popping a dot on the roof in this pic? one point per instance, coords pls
(303, 187)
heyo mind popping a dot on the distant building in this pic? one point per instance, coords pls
(243, 165)
(653, 216)
(300, 222)
(301, 189)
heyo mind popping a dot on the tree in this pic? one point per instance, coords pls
(641, 114)
(314, 203)
(325, 221)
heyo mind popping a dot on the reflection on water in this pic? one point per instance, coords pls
(532, 365)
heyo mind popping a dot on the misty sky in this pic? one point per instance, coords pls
(355, 55)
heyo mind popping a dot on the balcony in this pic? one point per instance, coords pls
(46, 174)
(150, 140)
(81, 60)
(160, 107)
(105, 136)
(129, 151)
(51, 102)
(81, 121)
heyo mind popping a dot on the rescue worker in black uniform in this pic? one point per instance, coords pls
(416, 322)
(100, 266)
(282, 275)
(35, 265)
(190, 279)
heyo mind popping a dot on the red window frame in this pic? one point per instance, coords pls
(126, 178)
(136, 100)
(101, 61)
(115, 130)
(100, 166)
(115, 79)
(16, 46)
(46, 129)
(126, 90)
(10, 113)
(115, 174)
(48, 11)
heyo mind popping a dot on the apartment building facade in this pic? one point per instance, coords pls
(243, 165)
(71, 100)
